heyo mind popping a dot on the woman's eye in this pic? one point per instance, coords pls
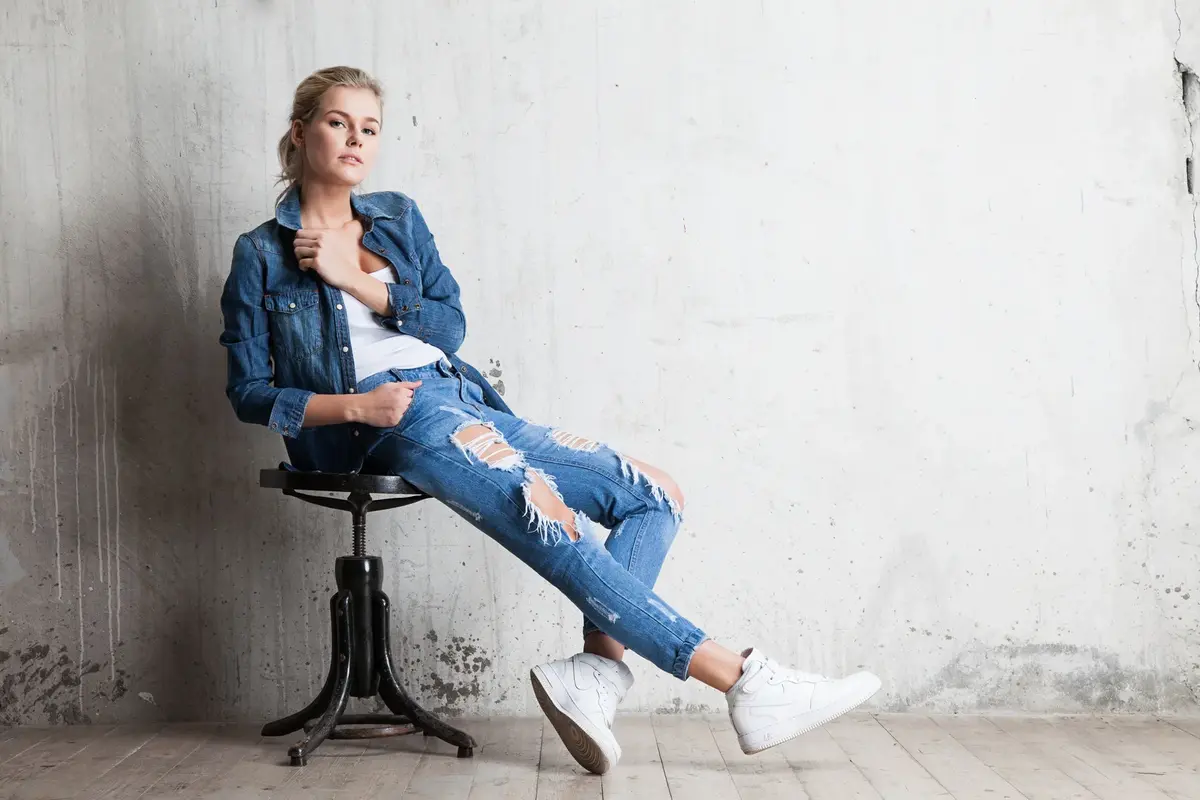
(335, 122)
(368, 130)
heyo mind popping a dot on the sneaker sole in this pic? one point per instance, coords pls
(790, 729)
(581, 743)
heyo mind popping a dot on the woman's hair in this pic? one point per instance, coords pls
(305, 105)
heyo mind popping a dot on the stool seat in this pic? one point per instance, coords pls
(294, 479)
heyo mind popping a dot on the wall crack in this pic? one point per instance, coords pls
(1189, 84)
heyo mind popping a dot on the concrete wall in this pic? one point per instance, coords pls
(905, 296)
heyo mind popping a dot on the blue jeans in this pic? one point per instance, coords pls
(490, 467)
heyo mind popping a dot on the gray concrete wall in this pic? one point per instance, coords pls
(905, 296)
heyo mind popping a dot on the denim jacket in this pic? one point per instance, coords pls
(286, 333)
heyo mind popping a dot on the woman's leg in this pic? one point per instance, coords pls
(456, 453)
(640, 504)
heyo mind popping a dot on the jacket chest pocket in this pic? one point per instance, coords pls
(294, 320)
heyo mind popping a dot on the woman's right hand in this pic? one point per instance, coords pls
(384, 405)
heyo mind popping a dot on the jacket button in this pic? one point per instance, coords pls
(356, 433)
(399, 322)
(351, 390)
(339, 306)
(345, 349)
(291, 305)
(417, 306)
(404, 308)
(407, 282)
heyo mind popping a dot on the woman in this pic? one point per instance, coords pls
(341, 325)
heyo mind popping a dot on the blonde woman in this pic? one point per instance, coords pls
(342, 326)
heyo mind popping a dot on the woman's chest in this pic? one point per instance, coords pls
(370, 262)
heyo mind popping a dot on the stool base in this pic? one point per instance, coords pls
(361, 665)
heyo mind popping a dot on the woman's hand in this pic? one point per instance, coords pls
(383, 406)
(331, 253)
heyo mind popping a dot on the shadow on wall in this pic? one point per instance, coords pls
(142, 545)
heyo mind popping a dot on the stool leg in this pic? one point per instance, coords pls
(294, 722)
(340, 693)
(393, 693)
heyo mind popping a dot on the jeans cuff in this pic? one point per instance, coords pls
(683, 656)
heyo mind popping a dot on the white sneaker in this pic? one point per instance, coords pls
(771, 704)
(580, 695)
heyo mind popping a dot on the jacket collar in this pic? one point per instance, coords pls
(287, 211)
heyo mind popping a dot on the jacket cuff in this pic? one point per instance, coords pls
(404, 298)
(287, 413)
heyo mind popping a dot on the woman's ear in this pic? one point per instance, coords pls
(298, 133)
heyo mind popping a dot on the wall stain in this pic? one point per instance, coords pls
(45, 683)
(465, 661)
(677, 706)
(494, 371)
(1045, 678)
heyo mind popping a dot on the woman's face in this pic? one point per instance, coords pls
(341, 142)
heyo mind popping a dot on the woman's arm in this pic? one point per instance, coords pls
(246, 339)
(433, 315)
(382, 407)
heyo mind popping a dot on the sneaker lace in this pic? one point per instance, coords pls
(781, 674)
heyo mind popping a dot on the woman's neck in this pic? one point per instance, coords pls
(323, 205)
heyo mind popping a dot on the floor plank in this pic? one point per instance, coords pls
(49, 755)
(691, 759)
(826, 772)
(1186, 724)
(91, 765)
(559, 776)
(199, 770)
(137, 773)
(1163, 756)
(390, 763)
(16, 741)
(508, 758)
(639, 775)
(441, 774)
(859, 757)
(1086, 766)
(336, 763)
(950, 764)
(1024, 767)
(888, 767)
(767, 775)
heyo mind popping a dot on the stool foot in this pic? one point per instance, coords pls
(294, 722)
(343, 656)
(393, 693)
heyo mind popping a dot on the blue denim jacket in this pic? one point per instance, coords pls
(286, 333)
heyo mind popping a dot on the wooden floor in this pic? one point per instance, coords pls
(862, 756)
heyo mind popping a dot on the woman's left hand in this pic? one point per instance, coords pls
(331, 253)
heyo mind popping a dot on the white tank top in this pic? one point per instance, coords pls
(377, 348)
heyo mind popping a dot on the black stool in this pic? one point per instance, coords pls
(361, 665)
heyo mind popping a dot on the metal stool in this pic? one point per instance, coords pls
(361, 664)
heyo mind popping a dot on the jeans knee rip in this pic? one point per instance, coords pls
(487, 445)
(635, 475)
(549, 529)
(573, 442)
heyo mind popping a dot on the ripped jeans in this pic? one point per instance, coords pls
(510, 478)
